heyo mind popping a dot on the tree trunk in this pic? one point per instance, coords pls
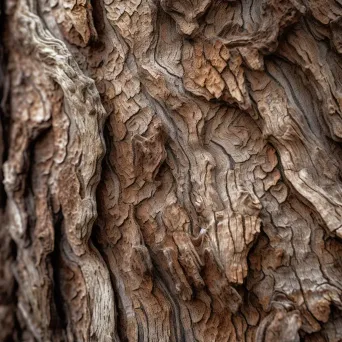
(171, 170)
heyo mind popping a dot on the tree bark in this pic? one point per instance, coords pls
(171, 170)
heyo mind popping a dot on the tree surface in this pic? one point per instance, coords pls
(171, 170)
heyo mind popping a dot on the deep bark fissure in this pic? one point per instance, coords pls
(60, 322)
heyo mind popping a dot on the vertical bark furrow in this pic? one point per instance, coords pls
(7, 283)
(75, 172)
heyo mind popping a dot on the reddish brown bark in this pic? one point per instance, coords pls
(171, 170)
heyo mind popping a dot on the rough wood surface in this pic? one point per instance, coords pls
(171, 170)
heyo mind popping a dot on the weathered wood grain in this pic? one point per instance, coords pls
(171, 170)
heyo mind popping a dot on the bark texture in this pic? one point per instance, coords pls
(171, 170)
